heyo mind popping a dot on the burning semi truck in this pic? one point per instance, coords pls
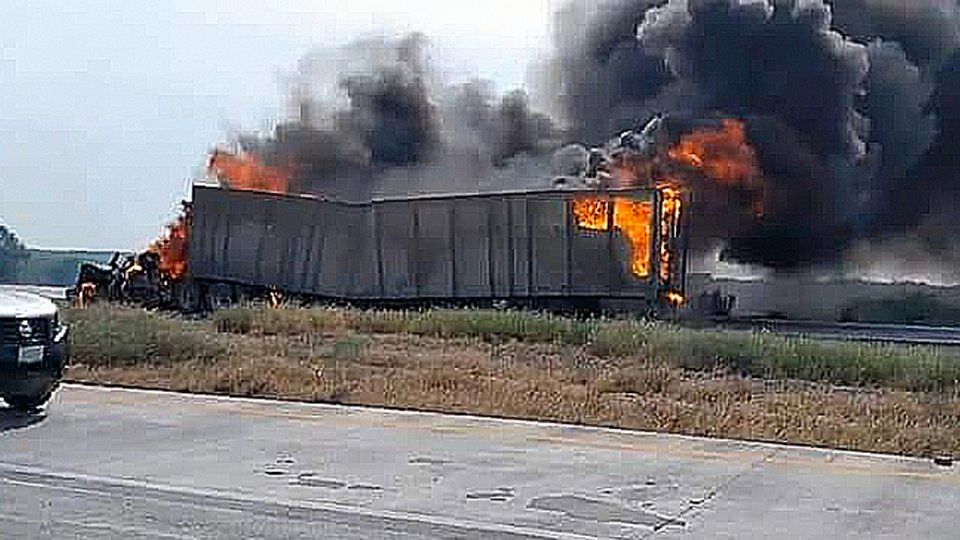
(578, 249)
(547, 248)
(611, 237)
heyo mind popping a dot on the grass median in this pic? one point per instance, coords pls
(631, 374)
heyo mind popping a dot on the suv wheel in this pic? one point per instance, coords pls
(28, 402)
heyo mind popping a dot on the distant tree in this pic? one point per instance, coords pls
(12, 251)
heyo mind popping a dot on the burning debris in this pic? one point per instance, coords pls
(127, 278)
(172, 248)
(651, 159)
(150, 278)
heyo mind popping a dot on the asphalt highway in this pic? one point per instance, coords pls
(111, 463)
(901, 334)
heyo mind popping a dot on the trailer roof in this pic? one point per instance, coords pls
(433, 196)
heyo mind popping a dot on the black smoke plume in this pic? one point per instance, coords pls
(927, 30)
(853, 107)
(848, 104)
(386, 128)
(503, 127)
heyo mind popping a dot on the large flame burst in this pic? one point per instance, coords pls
(632, 218)
(723, 154)
(172, 246)
(245, 171)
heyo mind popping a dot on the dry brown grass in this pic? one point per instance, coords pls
(518, 379)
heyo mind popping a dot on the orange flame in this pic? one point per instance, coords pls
(244, 171)
(592, 214)
(723, 154)
(172, 247)
(669, 222)
(676, 299)
(632, 218)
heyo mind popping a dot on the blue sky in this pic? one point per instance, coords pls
(107, 107)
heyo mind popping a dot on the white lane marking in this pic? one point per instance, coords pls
(386, 515)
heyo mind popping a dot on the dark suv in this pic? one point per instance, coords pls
(33, 349)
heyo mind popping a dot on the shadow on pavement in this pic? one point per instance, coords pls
(12, 419)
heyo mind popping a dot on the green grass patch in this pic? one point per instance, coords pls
(750, 354)
(442, 323)
(107, 335)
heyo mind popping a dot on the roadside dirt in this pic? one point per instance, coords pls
(557, 383)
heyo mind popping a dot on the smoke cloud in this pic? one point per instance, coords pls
(386, 125)
(852, 108)
(927, 30)
(848, 104)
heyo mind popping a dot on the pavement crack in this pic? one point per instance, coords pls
(414, 524)
(713, 493)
